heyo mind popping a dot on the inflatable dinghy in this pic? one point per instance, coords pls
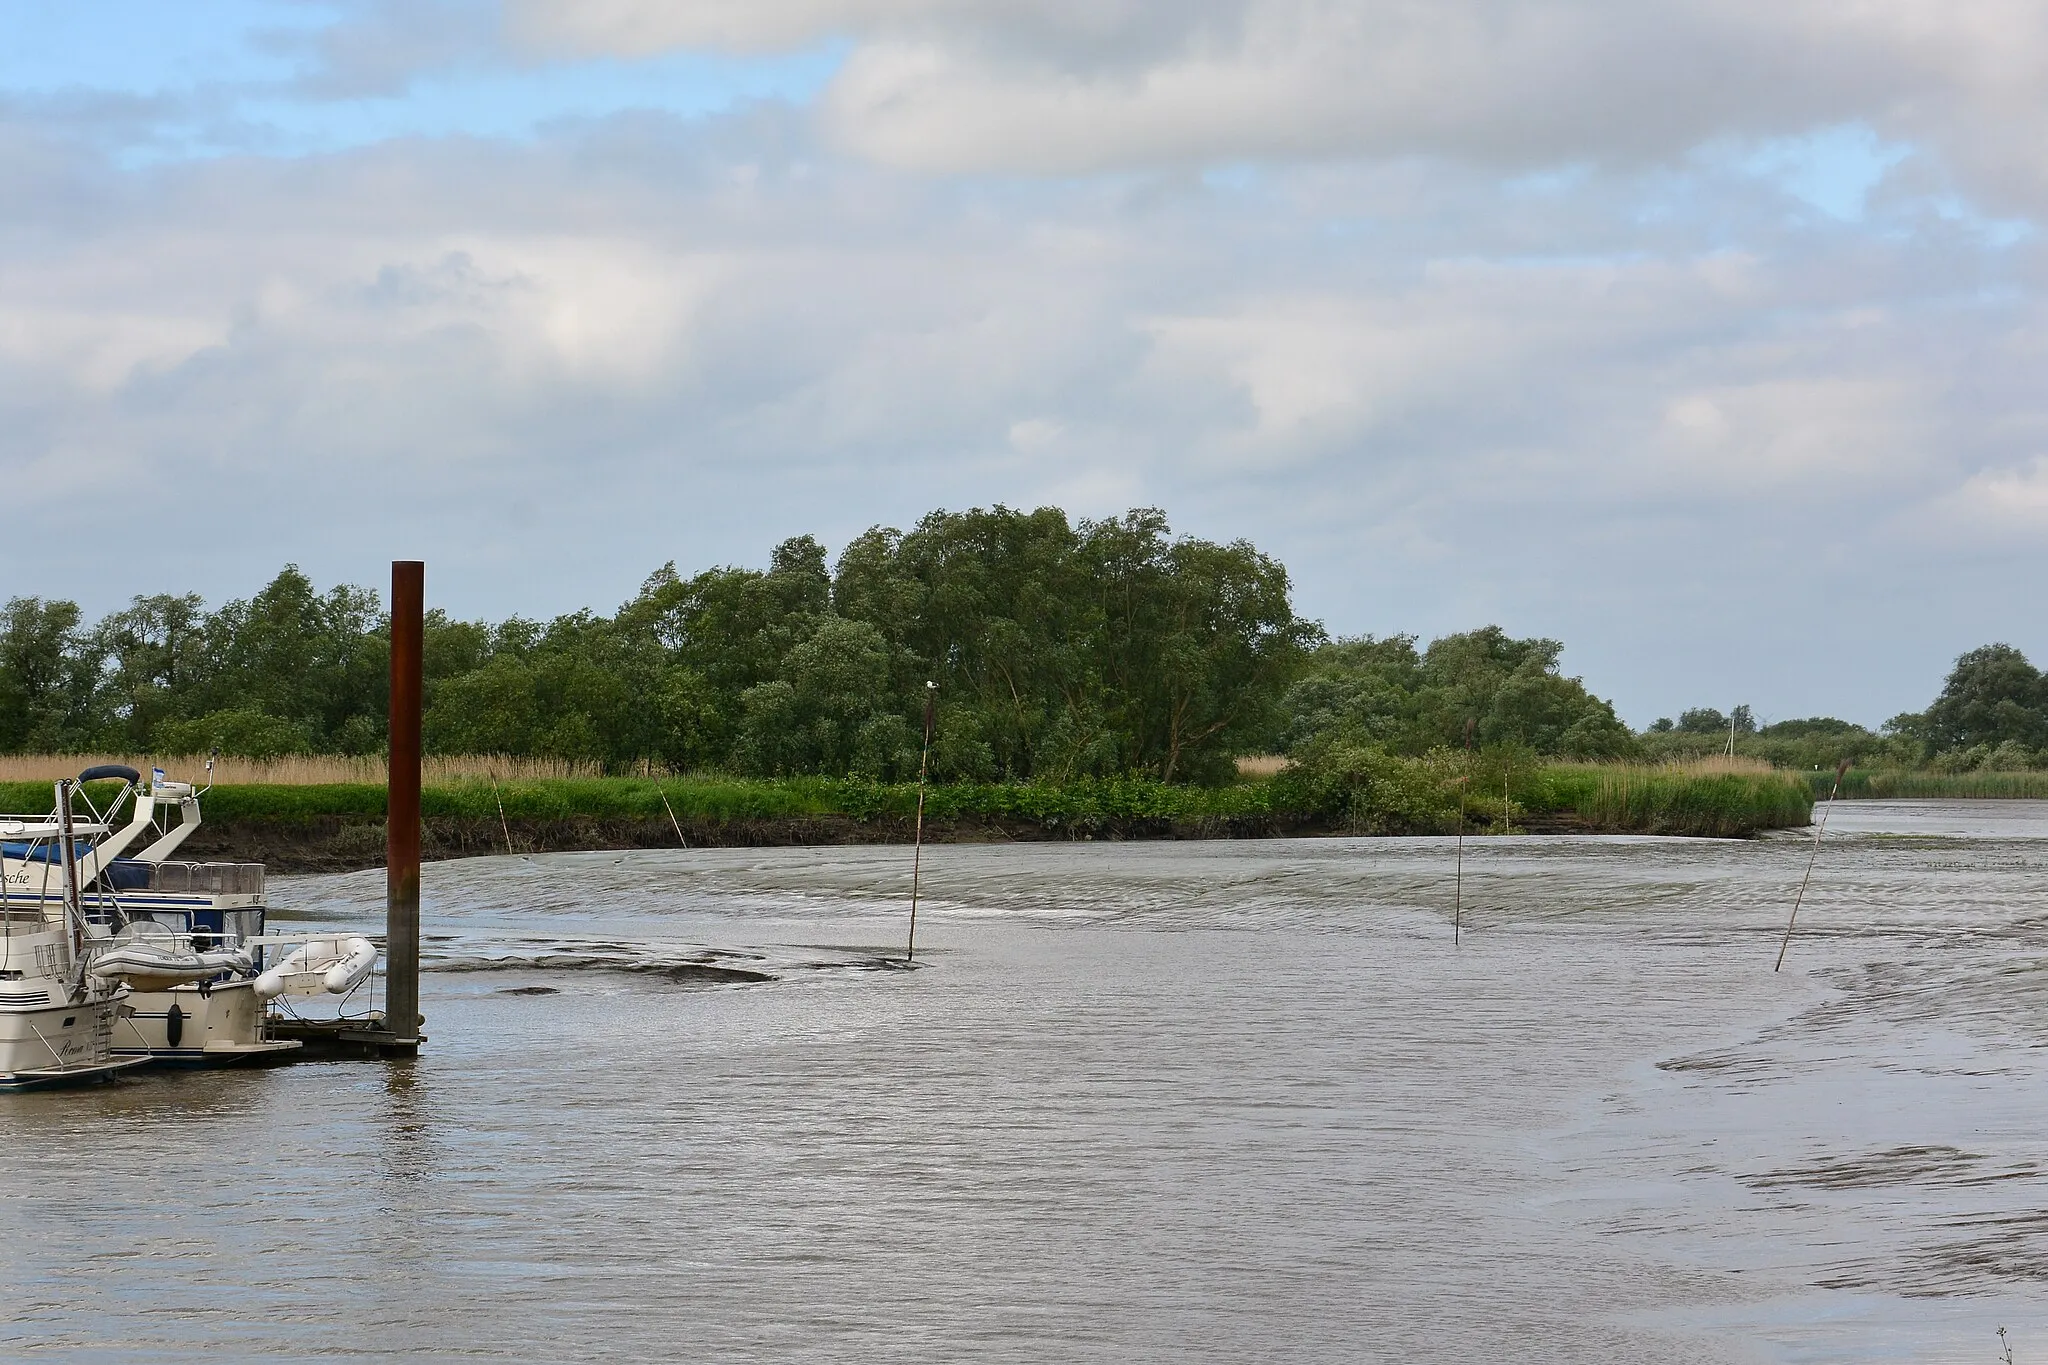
(160, 961)
(335, 966)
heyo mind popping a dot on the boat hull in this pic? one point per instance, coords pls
(59, 1043)
(183, 1025)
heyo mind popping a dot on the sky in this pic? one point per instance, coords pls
(1706, 337)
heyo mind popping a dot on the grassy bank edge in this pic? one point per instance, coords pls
(1878, 784)
(1596, 797)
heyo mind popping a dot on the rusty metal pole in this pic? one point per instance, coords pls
(402, 810)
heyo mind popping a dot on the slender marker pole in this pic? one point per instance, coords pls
(931, 695)
(672, 816)
(1819, 830)
(1458, 904)
(503, 827)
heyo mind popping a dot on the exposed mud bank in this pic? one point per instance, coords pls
(341, 844)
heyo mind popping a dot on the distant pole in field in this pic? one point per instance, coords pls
(672, 816)
(1820, 829)
(1731, 734)
(1458, 903)
(931, 695)
(504, 827)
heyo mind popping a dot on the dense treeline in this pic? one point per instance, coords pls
(1388, 695)
(1061, 650)
(1991, 715)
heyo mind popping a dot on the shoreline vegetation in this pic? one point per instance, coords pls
(1094, 679)
(292, 815)
(1882, 784)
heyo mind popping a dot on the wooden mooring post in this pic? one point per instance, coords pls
(399, 1035)
(402, 811)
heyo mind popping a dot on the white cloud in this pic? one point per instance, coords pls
(954, 85)
(1828, 433)
(1035, 434)
(1603, 401)
(2002, 504)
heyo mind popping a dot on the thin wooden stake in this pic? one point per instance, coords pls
(503, 827)
(1819, 830)
(672, 816)
(1458, 903)
(931, 695)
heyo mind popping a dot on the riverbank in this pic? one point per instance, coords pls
(1887, 784)
(339, 826)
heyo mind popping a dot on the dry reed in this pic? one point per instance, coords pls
(298, 770)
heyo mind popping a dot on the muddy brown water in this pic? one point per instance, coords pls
(1191, 1101)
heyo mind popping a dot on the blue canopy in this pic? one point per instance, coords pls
(44, 850)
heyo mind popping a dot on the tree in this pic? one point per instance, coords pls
(240, 733)
(1511, 691)
(1702, 720)
(827, 709)
(320, 661)
(1992, 696)
(1370, 688)
(1199, 642)
(49, 677)
(995, 607)
(1060, 649)
(487, 710)
(157, 649)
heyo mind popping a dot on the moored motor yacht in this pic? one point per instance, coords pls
(183, 940)
(57, 1019)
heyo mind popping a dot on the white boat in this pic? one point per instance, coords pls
(182, 939)
(57, 1019)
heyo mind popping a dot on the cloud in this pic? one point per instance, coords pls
(1061, 30)
(1561, 314)
(949, 85)
(670, 301)
(1996, 507)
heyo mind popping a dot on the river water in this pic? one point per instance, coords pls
(1230, 1101)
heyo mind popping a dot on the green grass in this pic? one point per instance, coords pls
(1863, 784)
(716, 798)
(1676, 801)
(1610, 797)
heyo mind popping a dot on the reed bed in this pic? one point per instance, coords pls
(1984, 786)
(1713, 797)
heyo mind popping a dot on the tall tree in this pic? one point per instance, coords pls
(1993, 696)
(49, 677)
